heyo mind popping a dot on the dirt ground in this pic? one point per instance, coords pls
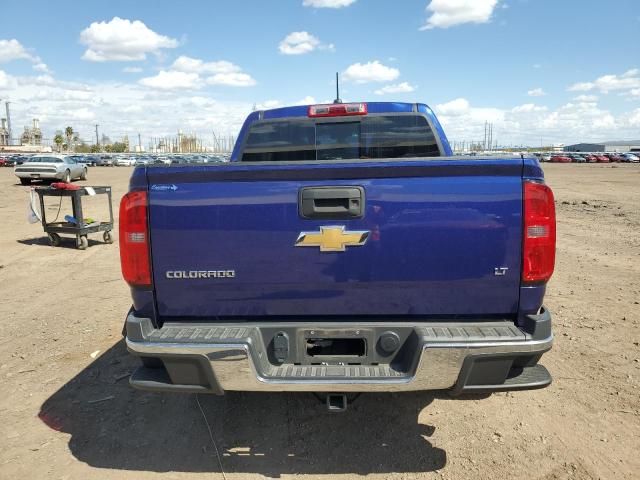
(67, 412)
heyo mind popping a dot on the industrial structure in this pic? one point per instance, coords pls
(4, 132)
(32, 135)
(614, 146)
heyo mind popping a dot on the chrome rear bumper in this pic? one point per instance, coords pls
(463, 356)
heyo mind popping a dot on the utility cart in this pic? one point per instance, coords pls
(80, 229)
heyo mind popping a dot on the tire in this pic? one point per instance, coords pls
(107, 237)
(54, 239)
(67, 177)
(82, 242)
(25, 181)
(84, 174)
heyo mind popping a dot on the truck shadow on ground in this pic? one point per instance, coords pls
(114, 426)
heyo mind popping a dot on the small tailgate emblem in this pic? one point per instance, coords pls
(333, 239)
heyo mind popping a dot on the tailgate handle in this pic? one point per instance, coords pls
(331, 202)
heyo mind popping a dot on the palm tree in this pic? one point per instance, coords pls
(69, 134)
(58, 140)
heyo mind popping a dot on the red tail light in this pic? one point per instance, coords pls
(539, 248)
(337, 110)
(134, 239)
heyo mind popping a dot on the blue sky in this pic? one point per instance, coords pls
(540, 70)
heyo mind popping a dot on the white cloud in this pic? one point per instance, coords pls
(121, 108)
(39, 80)
(627, 82)
(41, 67)
(586, 98)
(370, 72)
(403, 87)
(528, 107)
(532, 124)
(129, 107)
(634, 118)
(536, 92)
(298, 43)
(581, 87)
(453, 108)
(171, 80)
(81, 114)
(327, 3)
(448, 13)
(196, 65)
(7, 81)
(232, 79)
(634, 92)
(219, 72)
(14, 50)
(132, 69)
(308, 100)
(122, 40)
(268, 104)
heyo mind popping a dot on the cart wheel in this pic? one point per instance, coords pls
(54, 239)
(82, 242)
(108, 237)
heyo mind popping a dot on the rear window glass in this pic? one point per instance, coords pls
(371, 137)
(281, 141)
(45, 160)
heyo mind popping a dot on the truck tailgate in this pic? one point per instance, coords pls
(443, 237)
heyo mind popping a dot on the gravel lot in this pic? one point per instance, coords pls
(68, 415)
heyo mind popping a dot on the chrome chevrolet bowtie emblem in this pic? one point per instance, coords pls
(333, 239)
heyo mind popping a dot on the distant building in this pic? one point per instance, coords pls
(32, 135)
(4, 132)
(632, 146)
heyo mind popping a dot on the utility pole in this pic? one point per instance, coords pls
(97, 138)
(139, 143)
(6, 105)
(484, 143)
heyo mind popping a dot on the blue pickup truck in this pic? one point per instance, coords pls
(342, 249)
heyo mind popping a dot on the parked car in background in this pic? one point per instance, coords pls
(613, 157)
(560, 159)
(82, 159)
(590, 158)
(576, 158)
(50, 167)
(630, 158)
(3, 161)
(123, 161)
(602, 159)
(104, 161)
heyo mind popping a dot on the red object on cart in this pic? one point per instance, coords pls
(65, 186)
